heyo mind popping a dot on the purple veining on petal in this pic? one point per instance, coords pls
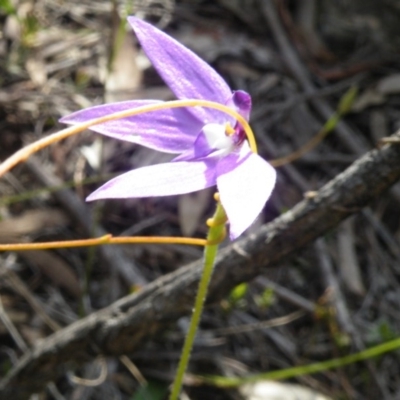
(159, 180)
(188, 76)
(171, 130)
(245, 182)
(208, 155)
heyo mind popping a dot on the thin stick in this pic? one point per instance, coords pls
(12, 330)
(106, 239)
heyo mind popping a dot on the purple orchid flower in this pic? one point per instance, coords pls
(211, 144)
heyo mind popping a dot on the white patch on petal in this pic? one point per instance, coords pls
(217, 139)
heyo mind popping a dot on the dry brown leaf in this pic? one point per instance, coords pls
(348, 261)
(376, 95)
(12, 28)
(16, 317)
(55, 268)
(266, 390)
(191, 208)
(30, 222)
(31, 334)
(371, 97)
(125, 75)
(379, 124)
(389, 84)
(36, 69)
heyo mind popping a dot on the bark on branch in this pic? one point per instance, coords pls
(126, 324)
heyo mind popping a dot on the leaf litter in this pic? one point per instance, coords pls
(54, 61)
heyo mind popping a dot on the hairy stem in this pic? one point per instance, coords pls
(215, 234)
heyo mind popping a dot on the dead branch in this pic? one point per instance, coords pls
(126, 324)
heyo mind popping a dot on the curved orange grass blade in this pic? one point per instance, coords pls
(32, 148)
(106, 239)
(27, 151)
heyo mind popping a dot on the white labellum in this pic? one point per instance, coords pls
(217, 138)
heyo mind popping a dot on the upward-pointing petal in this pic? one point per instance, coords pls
(172, 130)
(242, 103)
(159, 180)
(245, 182)
(188, 76)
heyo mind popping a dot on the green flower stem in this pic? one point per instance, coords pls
(344, 107)
(288, 373)
(215, 233)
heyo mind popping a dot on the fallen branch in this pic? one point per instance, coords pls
(126, 324)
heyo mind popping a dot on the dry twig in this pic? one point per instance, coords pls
(124, 326)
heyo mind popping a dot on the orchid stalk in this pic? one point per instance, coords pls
(211, 149)
(206, 128)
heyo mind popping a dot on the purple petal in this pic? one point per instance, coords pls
(245, 182)
(170, 130)
(188, 76)
(242, 103)
(159, 180)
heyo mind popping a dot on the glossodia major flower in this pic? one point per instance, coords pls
(211, 146)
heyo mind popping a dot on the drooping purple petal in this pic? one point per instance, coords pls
(245, 182)
(188, 76)
(171, 130)
(159, 180)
